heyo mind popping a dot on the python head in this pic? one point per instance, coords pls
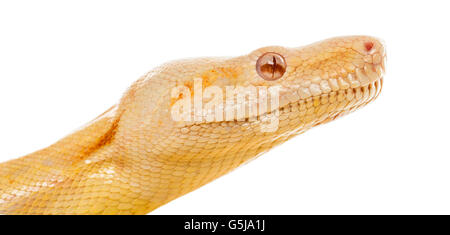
(194, 107)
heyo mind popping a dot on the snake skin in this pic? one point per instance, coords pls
(135, 158)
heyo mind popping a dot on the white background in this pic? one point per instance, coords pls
(62, 64)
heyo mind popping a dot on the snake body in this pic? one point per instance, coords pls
(135, 157)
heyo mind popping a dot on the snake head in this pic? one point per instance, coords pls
(186, 105)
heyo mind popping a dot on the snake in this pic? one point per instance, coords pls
(157, 143)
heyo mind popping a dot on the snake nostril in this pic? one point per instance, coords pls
(368, 45)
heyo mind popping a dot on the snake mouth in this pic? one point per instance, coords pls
(323, 108)
(329, 98)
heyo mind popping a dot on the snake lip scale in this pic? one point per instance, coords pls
(136, 157)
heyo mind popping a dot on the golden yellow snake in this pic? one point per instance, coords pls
(138, 156)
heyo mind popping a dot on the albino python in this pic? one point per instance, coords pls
(136, 156)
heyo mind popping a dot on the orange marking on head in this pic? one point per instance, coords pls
(209, 77)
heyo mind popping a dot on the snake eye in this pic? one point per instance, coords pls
(271, 66)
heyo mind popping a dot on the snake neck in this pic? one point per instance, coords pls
(77, 171)
(91, 172)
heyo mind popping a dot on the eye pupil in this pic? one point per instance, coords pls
(271, 66)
